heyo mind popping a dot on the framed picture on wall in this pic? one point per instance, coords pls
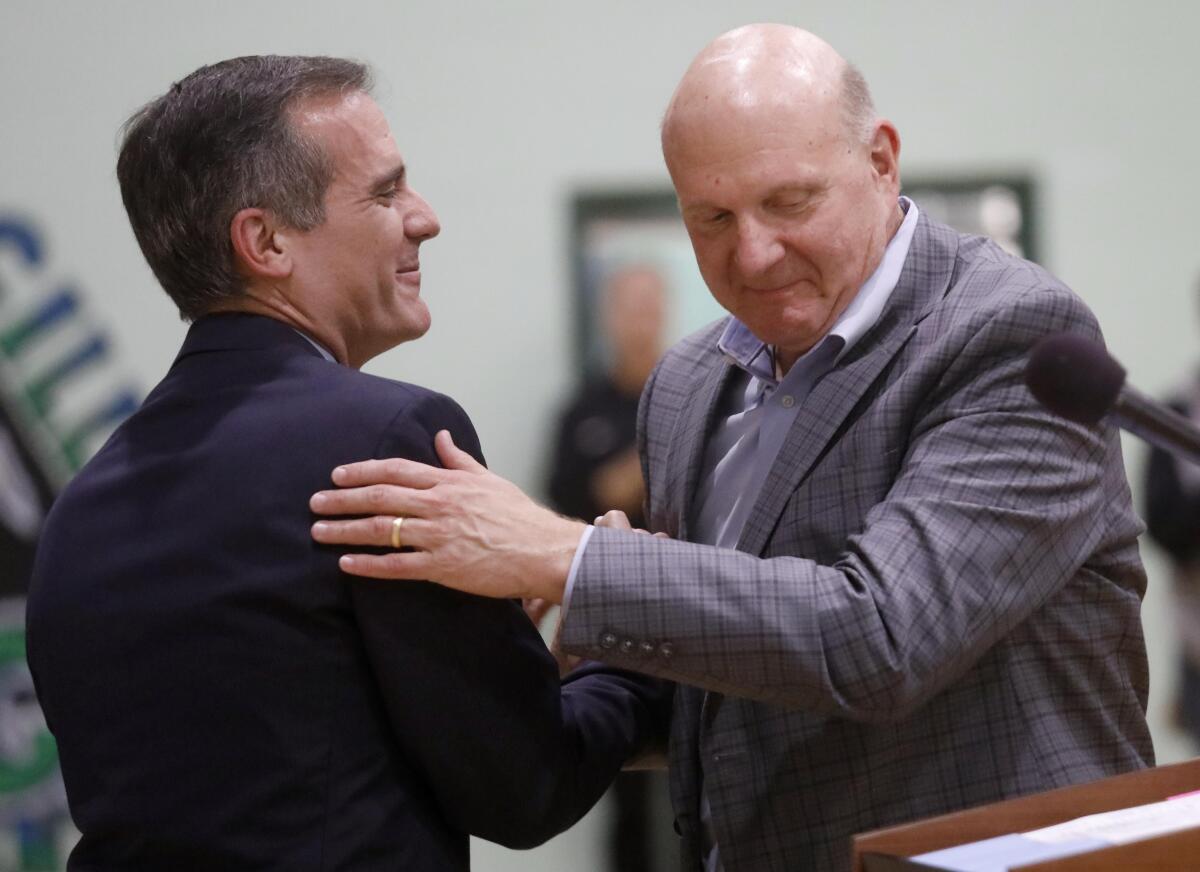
(1001, 207)
(622, 229)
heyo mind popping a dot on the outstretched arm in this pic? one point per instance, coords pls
(996, 506)
(472, 530)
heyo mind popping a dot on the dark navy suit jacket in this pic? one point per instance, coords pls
(226, 699)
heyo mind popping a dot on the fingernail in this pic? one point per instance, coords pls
(319, 529)
(318, 501)
(346, 562)
(339, 473)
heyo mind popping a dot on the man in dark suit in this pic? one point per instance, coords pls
(895, 586)
(223, 697)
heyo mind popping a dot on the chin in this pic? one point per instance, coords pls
(418, 326)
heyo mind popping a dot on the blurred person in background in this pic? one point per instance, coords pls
(595, 468)
(595, 465)
(1172, 510)
(224, 698)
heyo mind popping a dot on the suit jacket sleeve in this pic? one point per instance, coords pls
(995, 507)
(473, 694)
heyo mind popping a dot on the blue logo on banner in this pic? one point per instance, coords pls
(61, 395)
(54, 361)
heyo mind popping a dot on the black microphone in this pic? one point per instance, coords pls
(1074, 377)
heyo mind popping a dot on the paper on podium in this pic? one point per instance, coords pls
(1078, 836)
(1127, 824)
(1003, 853)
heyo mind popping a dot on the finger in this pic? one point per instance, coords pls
(376, 499)
(661, 535)
(615, 519)
(395, 470)
(452, 456)
(375, 531)
(408, 565)
(364, 531)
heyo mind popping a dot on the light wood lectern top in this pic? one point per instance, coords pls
(884, 850)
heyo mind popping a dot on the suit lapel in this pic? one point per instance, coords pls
(691, 431)
(923, 281)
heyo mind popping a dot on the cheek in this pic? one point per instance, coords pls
(712, 258)
(835, 250)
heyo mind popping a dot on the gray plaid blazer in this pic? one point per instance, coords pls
(935, 602)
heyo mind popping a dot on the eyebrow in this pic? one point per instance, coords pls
(804, 190)
(698, 209)
(389, 178)
(796, 189)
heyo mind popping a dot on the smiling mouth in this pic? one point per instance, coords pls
(772, 290)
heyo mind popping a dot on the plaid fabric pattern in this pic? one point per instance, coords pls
(935, 602)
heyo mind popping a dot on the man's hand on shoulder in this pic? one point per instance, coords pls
(471, 529)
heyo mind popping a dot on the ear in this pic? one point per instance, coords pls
(885, 153)
(256, 249)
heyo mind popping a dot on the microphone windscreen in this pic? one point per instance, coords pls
(1073, 376)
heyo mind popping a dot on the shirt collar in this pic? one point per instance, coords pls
(751, 354)
(321, 349)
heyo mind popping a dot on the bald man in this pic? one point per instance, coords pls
(894, 586)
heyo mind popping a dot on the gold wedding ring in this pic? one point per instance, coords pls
(396, 522)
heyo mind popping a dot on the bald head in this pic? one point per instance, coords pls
(765, 69)
(787, 183)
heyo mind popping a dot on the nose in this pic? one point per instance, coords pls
(758, 247)
(420, 223)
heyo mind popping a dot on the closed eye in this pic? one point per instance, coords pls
(392, 184)
(789, 205)
(793, 200)
(708, 220)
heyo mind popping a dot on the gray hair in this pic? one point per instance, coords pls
(221, 140)
(858, 109)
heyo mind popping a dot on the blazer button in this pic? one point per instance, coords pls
(666, 650)
(608, 640)
(627, 646)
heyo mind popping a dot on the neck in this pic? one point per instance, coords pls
(784, 361)
(273, 304)
(894, 222)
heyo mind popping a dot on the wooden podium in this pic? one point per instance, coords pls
(885, 850)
